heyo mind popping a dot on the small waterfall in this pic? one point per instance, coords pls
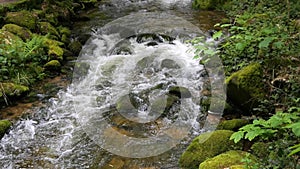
(135, 94)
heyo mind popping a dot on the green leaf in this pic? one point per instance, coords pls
(266, 42)
(296, 149)
(217, 35)
(237, 136)
(295, 128)
(251, 135)
(240, 46)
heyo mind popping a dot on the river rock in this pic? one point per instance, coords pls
(205, 146)
(169, 64)
(22, 32)
(245, 87)
(4, 126)
(22, 18)
(227, 159)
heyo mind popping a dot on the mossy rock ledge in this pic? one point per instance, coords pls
(22, 32)
(206, 146)
(245, 87)
(227, 160)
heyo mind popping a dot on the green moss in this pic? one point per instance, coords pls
(245, 87)
(205, 146)
(260, 149)
(54, 49)
(8, 38)
(237, 167)
(22, 18)
(11, 89)
(22, 32)
(46, 27)
(4, 126)
(75, 47)
(226, 160)
(233, 124)
(208, 4)
(52, 65)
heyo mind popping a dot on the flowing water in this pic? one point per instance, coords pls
(133, 102)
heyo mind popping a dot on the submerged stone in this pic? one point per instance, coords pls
(180, 92)
(169, 64)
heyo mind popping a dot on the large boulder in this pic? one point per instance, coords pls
(246, 87)
(4, 126)
(205, 146)
(226, 160)
(22, 18)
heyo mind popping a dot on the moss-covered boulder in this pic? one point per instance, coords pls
(22, 32)
(22, 18)
(46, 28)
(208, 4)
(233, 124)
(260, 149)
(53, 65)
(8, 38)
(54, 50)
(4, 126)
(246, 87)
(65, 34)
(205, 146)
(11, 91)
(227, 159)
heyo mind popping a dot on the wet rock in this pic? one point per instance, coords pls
(22, 18)
(81, 69)
(180, 92)
(145, 62)
(233, 124)
(22, 32)
(4, 126)
(227, 159)
(53, 65)
(205, 146)
(169, 64)
(245, 87)
(152, 44)
(110, 66)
